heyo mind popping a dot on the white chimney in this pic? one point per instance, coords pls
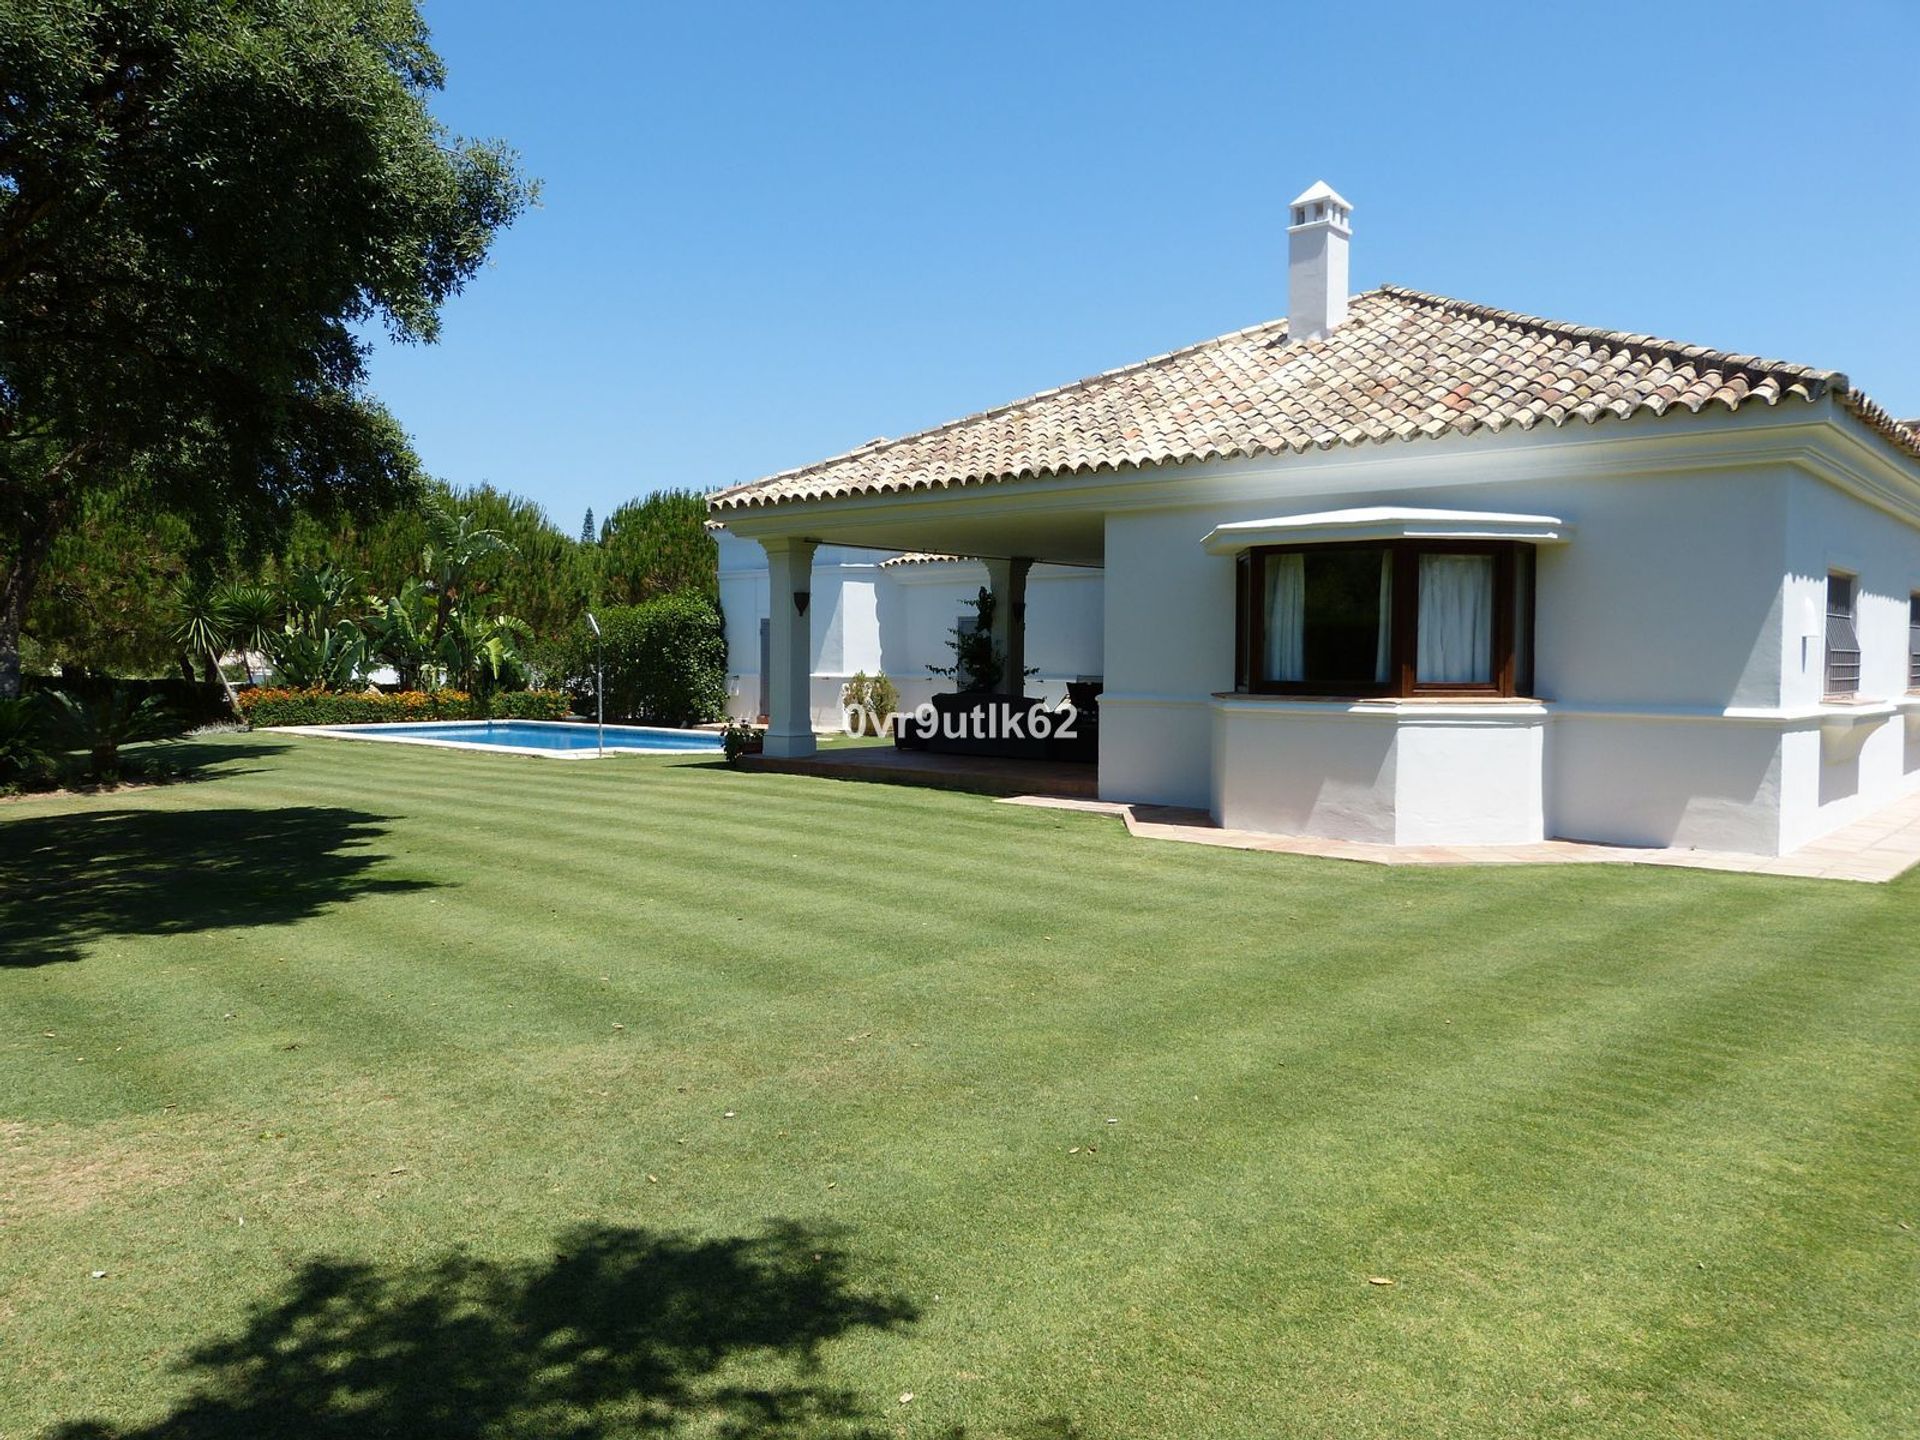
(1317, 238)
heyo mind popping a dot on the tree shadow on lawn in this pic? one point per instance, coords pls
(68, 880)
(205, 758)
(621, 1332)
(155, 762)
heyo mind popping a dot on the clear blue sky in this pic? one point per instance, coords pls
(771, 233)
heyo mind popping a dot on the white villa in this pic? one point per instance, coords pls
(1405, 569)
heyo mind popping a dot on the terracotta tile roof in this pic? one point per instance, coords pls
(920, 557)
(1404, 366)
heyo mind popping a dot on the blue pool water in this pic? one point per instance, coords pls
(526, 735)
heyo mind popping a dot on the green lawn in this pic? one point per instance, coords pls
(433, 1094)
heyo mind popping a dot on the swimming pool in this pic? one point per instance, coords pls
(559, 739)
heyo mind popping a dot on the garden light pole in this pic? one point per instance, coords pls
(599, 683)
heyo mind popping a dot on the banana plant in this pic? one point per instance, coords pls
(479, 650)
(401, 633)
(321, 599)
(334, 659)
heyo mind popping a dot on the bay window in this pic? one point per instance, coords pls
(1393, 617)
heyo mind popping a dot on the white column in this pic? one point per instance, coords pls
(1008, 581)
(789, 646)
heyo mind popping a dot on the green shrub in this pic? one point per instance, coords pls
(101, 725)
(740, 738)
(322, 707)
(666, 661)
(24, 755)
(334, 659)
(874, 697)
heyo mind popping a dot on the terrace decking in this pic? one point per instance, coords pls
(977, 774)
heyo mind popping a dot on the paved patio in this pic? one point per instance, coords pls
(1873, 850)
(1876, 849)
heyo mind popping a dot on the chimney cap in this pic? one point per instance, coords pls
(1321, 204)
(1320, 190)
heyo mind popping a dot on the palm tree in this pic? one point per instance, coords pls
(252, 619)
(202, 630)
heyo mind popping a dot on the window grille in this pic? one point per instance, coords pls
(1913, 642)
(1843, 641)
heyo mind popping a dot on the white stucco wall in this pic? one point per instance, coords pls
(1680, 779)
(1663, 613)
(1471, 776)
(1834, 772)
(1066, 625)
(1167, 653)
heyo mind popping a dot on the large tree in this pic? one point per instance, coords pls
(204, 208)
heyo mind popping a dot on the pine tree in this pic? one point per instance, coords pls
(587, 535)
(658, 546)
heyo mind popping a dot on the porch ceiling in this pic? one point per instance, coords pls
(1059, 537)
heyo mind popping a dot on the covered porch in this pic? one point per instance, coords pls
(1007, 539)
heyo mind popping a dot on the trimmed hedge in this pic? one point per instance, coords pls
(192, 702)
(528, 705)
(326, 707)
(666, 661)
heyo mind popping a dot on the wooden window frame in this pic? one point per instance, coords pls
(1250, 638)
(1244, 569)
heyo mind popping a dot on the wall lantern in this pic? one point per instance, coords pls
(801, 598)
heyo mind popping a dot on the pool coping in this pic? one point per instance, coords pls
(364, 732)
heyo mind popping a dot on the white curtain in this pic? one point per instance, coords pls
(1286, 657)
(1383, 647)
(1456, 620)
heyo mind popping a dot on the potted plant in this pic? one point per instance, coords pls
(739, 738)
(976, 718)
